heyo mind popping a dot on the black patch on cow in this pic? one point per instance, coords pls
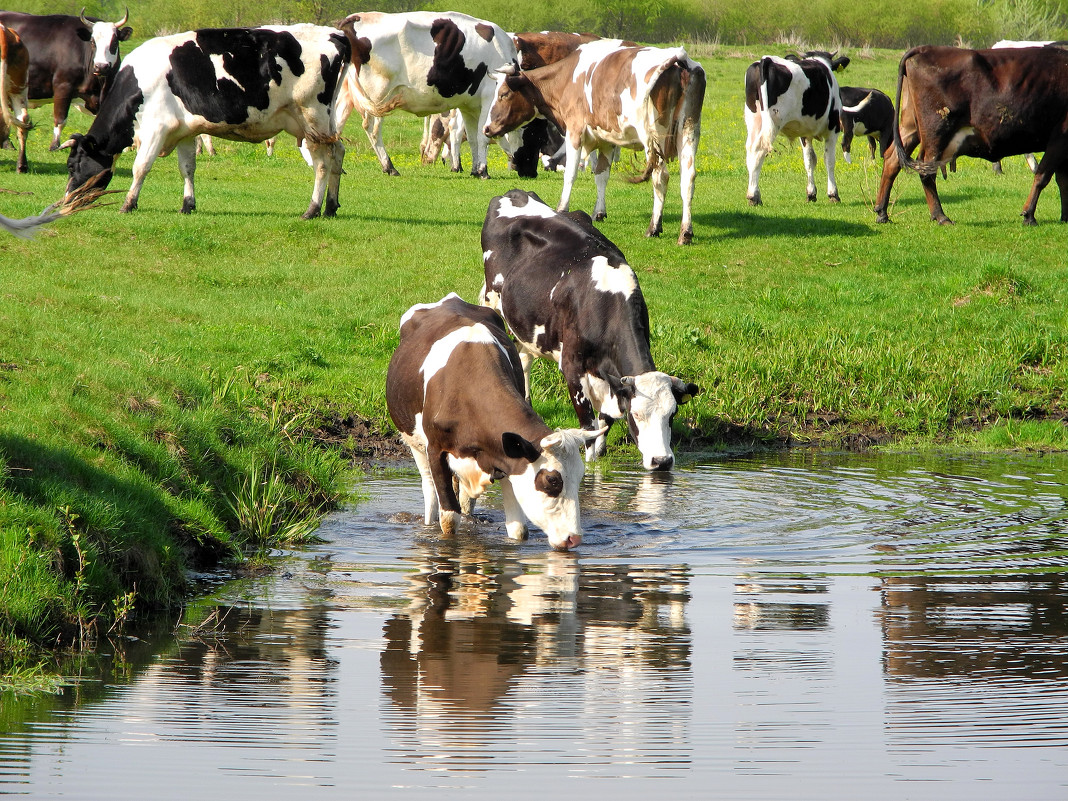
(550, 482)
(525, 158)
(485, 31)
(250, 56)
(817, 98)
(330, 68)
(778, 79)
(449, 74)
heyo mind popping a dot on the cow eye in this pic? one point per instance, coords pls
(550, 482)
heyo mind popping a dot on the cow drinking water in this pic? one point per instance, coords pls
(567, 293)
(454, 389)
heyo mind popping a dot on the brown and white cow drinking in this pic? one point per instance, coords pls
(607, 95)
(454, 389)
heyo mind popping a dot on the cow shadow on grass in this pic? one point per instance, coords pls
(747, 224)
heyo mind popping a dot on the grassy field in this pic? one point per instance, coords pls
(164, 378)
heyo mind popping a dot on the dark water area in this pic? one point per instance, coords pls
(803, 626)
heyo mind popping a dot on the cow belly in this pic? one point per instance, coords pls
(808, 128)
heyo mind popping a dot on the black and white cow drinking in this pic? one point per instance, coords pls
(798, 97)
(567, 293)
(245, 84)
(866, 112)
(454, 389)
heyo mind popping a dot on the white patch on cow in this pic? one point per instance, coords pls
(498, 281)
(610, 278)
(532, 209)
(539, 332)
(438, 355)
(957, 141)
(220, 70)
(423, 306)
(103, 34)
(600, 394)
(486, 255)
(473, 481)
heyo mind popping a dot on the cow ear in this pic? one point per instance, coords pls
(515, 82)
(683, 391)
(840, 64)
(516, 447)
(85, 34)
(622, 388)
(125, 33)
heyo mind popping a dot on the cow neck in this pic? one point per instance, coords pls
(116, 118)
(548, 84)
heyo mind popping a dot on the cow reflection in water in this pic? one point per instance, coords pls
(476, 627)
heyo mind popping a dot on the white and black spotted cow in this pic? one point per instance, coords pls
(797, 97)
(454, 390)
(567, 293)
(425, 63)
(245, 84)
(866, 112)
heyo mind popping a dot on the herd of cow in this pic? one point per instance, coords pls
(563, 290)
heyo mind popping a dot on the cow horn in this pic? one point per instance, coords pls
(67, 145)
(85, 22)
(511, 69)
(351, 18)
(122, 21)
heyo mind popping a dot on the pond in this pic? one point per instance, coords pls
(795, 626)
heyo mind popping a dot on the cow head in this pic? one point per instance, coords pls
(86, 162)
(834, 61)
(512, 104)
(547, 487)
(105, 37)
(649, 402)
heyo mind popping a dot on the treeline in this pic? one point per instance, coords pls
(854, 23)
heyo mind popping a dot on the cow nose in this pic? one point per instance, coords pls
(572, 541)
(662, 462)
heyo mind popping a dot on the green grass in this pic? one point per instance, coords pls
(162, 376)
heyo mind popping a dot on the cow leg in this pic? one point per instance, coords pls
(891, 167)
(448, 503)
(571, 165)
(754, 155)
(186, 151)
(660, 185)
(808, 155)
(934, 204)
(22, 114)
(847, 140)
(829, 149)
(335, 163)
(602, 171)
(526, 361)
(372, 126)
(871, 147)
(1042, 179)
(60, 110)
(146, 157)
(479, 142)
(514, 519)
(1062, 185)
(327, 168)
(430, 495)
(689, 139)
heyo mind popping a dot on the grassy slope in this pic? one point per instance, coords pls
(151, 363)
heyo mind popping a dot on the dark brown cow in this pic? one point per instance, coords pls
(14, 95)
(988, 104)
(605, 96)
(70, 58)
(454, 389)
(547, 47)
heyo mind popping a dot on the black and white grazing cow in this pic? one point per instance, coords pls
(425, 63)
(798, 97)
(245, 84)
(567, 293)
(454, 389)
(71, 58)
(866, 112)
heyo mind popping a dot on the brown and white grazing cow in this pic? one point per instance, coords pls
(799, 98)
(71, 58)
(606, 95)
(988, 104)
(14, 92)
(866, 112)
(454, 390)
(245, 84)
(567, 293)
(424, 63)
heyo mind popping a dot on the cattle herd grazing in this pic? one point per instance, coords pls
(555, 286)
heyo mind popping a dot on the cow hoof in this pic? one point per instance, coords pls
(22, 168)
(811, 198)
(330, 210)
(1030, 220)
(483, 173)
(943, 220)
(686, 238)
(882, 217)
(311, 213)
(755, 200)
(53, 146)
(834, 198)
(188, 206)
(603, 215)
(128, 207)
(653, 231)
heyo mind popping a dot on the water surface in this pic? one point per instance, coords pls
(803, 626)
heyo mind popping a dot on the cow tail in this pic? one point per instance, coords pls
(856, 109)
(922, 167)
(652, 159)
(767, 132)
